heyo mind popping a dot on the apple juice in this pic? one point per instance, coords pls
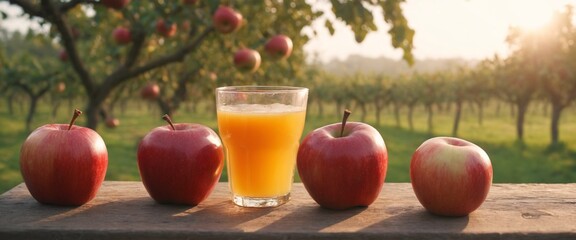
(261, 143)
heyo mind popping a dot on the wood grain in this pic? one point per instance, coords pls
(123, 210)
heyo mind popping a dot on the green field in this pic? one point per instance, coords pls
(530, 161)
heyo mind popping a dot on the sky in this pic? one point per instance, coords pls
(470, 29)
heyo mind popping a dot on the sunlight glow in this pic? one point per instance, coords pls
(532, 14)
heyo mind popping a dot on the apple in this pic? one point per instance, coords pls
(278, 47)
(122, 35)
(63, 55)
(112, 122)
(213, 76)
(180, 163)
(226, 20)
(150, 91)
(60, 87)
(247, 60)
(63, 164)
(450, 176)
(186, 25)
(115, 4)
(343, 165)
(166, 28)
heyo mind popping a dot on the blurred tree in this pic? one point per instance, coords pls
(28, 67)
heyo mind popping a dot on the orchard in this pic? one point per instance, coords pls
(114, 45)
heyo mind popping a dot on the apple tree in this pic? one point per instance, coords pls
(34, 75)
(553, 50)
(163, 34)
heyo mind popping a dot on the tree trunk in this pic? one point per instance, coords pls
(363, 110)
(10, 102)
(430, 109)
(457, 118)
(522, 108)
(397, 114)
(554, 124)
(377, 112)
(480, 112)
(410, 114)
(31, 111)
(55, 107)
(92, 111)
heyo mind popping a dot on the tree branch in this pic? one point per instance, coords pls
(175, 57)
(55, 17)
(24, 87)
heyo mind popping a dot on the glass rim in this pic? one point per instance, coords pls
(260, 89)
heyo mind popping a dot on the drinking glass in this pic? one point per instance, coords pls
(261, 127)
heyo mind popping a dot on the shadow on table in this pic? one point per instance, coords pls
(310, 218)
(417, 220)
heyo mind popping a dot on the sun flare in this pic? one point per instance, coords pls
(532, 15)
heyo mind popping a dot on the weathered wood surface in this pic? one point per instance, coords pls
(123, 210)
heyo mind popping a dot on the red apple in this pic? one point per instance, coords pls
(112, 122)
(278, 47)
(166, 28)
(450, 176)
(115, 4)
(226, 20)
(63, 164)
(343, 165)
(63, 55)
(150, 91)
(180, 163)
(122, 35)
(247, 60)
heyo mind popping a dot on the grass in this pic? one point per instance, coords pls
(513, 162)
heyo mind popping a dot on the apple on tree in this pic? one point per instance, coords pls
(115, 4)
(247, 60)
(180, 163)
(150, 91)
(226, 20)
(343, 165)
(166, 28)
(450, 176)
(112, 122)
(63, 164)
(63, 55)
(122, 35)
(60, 87)
(278, 47)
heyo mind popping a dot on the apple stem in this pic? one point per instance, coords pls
(77, 113)
(169, 120)
(344, 119)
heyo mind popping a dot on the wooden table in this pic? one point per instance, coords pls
(123, 210)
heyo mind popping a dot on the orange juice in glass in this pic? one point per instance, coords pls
(261, 129)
